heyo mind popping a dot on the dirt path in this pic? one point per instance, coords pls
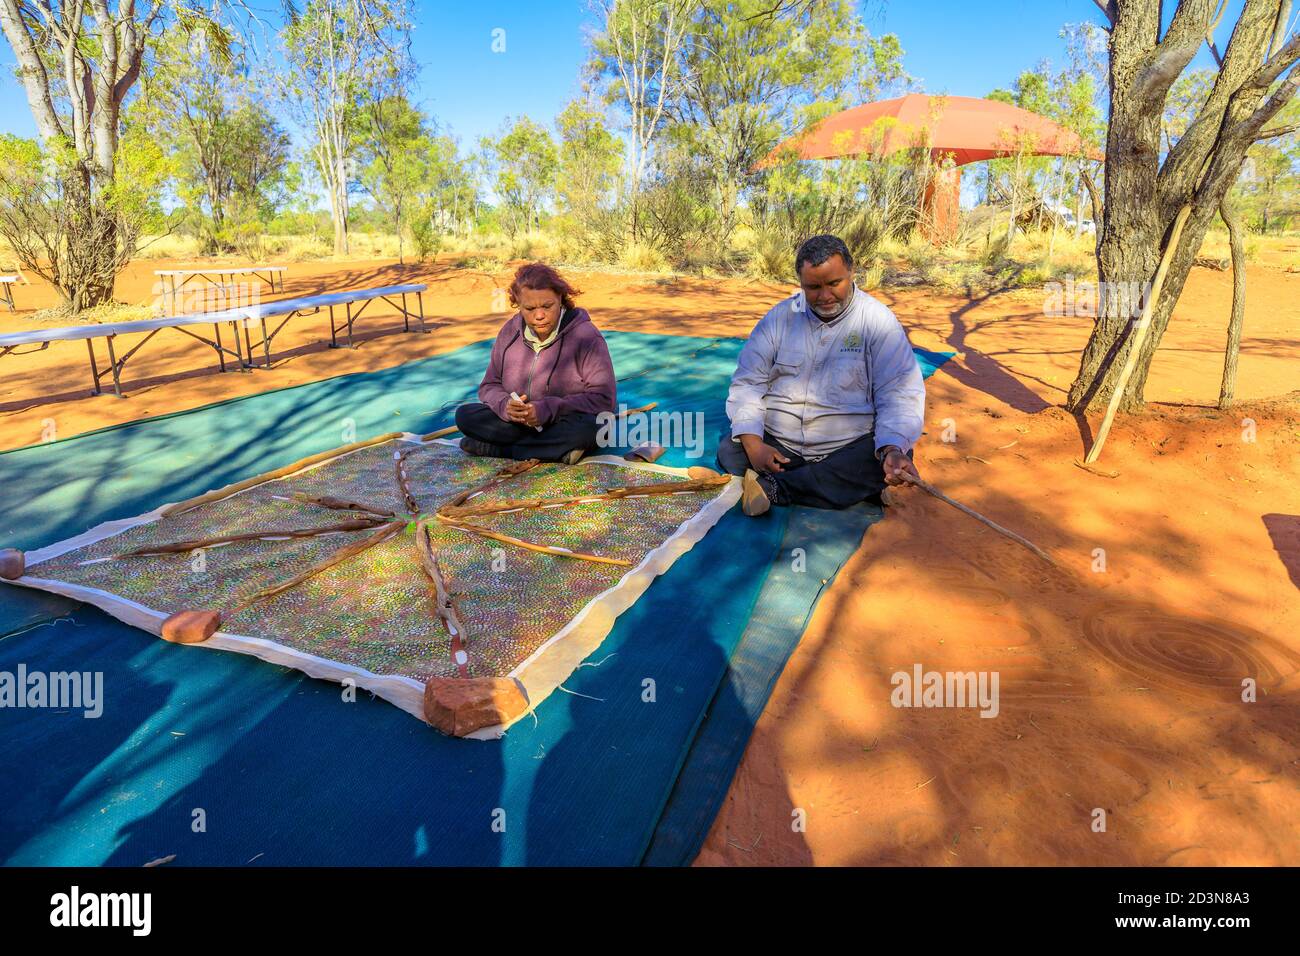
(1120, 689)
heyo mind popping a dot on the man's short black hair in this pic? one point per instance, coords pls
(818, 249)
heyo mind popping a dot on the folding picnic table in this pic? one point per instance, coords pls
(174, 280)
(245, 318)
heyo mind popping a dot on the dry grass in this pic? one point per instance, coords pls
(61, 316)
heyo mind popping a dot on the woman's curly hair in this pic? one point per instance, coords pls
(538, 276)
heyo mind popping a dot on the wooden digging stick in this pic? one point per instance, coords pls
(529, 545)
(1139, 336)
(442, 593)
(183, 547)
(610, 494)
(384, 532)
(452, 429)
(505, 474)
(932, 490)
(403, 481)
(338, 504)
(183, 506)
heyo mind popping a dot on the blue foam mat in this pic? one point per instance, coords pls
(266, 758)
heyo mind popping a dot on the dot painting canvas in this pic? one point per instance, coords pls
(464, 590)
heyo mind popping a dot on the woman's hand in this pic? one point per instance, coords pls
(522, 412)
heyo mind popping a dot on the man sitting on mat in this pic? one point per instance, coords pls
(827, 400)
(549, 376)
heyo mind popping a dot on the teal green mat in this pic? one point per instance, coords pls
(278, 769)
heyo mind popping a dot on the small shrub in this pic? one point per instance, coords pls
(871, 276)
(640, 257)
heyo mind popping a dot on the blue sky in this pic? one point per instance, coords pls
(954, 46)
(473, 89)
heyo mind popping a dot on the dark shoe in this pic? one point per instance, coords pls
(481, 449)
(574, 456)
(754, 500)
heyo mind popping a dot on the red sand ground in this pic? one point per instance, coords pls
(1120, 689)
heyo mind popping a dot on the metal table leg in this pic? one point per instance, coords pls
(94, 368)
(112, 358)
(221, 358)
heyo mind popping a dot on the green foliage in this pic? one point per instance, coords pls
(229, 152)
(340, 56)
(395, 142)
(590, 219)
(752, 78)
(1269, 189)
(589, 161)
(1184, 102)
(73, 235)
(428, 240)
(523, 160)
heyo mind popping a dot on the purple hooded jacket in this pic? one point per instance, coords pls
(573, 374)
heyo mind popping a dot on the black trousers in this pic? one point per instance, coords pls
(843, 478)
(552, 443)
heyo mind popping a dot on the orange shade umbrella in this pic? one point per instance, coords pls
(964, 127)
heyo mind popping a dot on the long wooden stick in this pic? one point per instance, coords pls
(610, 494)
(529, 545)
(505, 474)
(446, 607)
(339, 504)
(931, 489)
(181, 547)
(385, 532)
(441, 433)
(190, 504)
(452, 429)
(403, 482)
(1139, 335)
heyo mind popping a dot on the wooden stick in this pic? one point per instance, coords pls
(403, 483)
(1139, 335)
(1096, 470)
(610, 494)
(931, 489)
(446, 608)
(180, 547)
(190, 504)
(385, 532)
(505, 474)
(339, 504)
(529, 545)
(452, 429)
(669, 487)
(440, 433)
(637, 411)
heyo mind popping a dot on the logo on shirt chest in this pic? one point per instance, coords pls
(852, 343)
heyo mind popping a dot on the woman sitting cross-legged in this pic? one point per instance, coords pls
(549, 376)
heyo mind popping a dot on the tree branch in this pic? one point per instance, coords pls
(1276, 131)
(1193, 22)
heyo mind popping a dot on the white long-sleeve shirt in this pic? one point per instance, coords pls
(816, 386)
